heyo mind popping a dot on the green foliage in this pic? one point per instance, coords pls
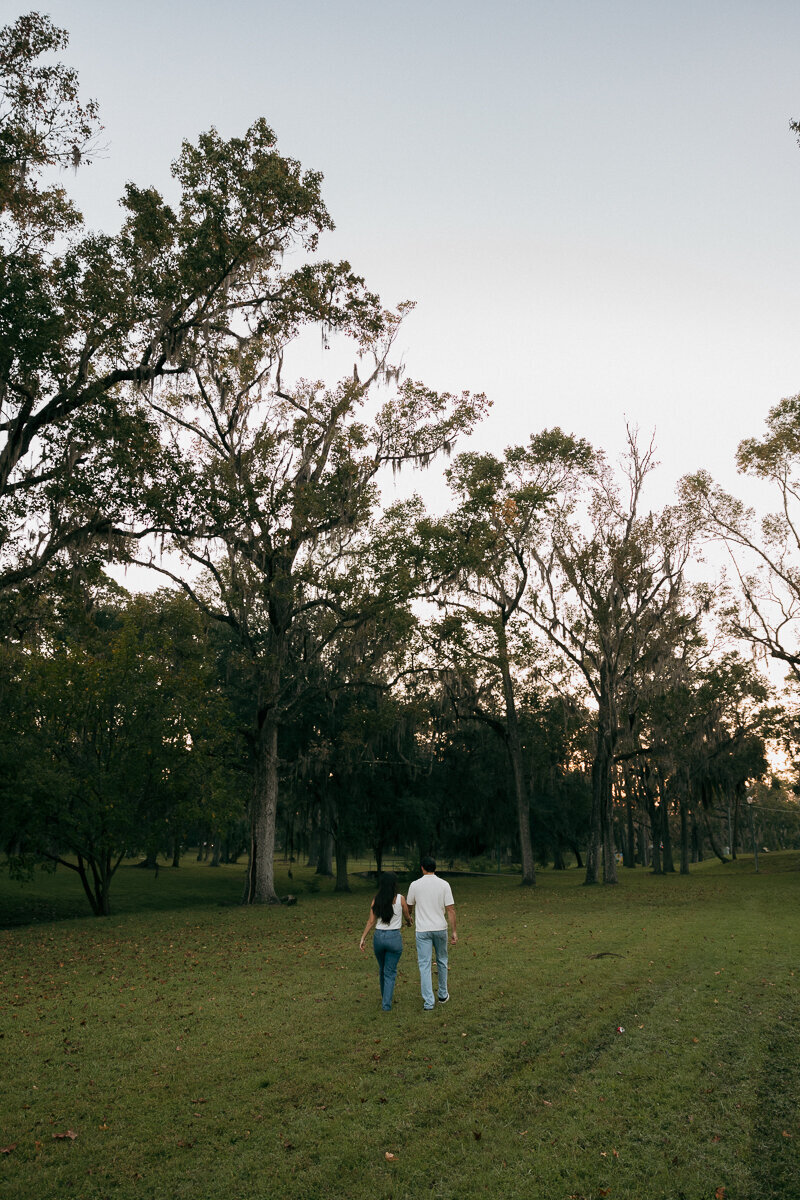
(91, 321)
(114, 735)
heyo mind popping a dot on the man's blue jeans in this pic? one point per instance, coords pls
(388, 946)
(430, 942)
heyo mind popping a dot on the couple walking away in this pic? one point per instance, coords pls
(432, 901)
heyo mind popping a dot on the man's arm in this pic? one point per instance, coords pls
(450, 909)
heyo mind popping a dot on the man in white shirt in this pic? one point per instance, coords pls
(432, 901)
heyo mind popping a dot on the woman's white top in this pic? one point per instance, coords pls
(397, 916)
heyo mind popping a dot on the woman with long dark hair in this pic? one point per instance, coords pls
(386, 913)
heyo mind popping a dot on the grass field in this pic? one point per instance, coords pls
(632, 1042)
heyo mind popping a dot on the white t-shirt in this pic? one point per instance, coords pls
(430, 895)
(397, 916)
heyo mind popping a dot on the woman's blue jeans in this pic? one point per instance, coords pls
(388, 946)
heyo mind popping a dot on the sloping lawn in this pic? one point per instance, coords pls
(633, 1042)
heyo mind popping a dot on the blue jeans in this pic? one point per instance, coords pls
(388, 946)
(430, 942)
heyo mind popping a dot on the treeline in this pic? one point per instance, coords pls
(539, 672)
(121, 733)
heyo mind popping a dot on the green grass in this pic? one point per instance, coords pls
(199, 1049)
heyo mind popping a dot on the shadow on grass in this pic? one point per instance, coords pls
(59, 896)
(775, 1166)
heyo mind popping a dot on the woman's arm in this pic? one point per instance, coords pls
(367, 927)
(406, 911)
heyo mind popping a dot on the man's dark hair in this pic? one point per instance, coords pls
(428, 863)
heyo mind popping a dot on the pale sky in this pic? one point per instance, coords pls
(595, 205)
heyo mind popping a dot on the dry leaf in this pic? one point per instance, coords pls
(8, 1149)
(720, 1193)
(70, 1133)
(389, 1156)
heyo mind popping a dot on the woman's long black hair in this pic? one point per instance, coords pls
(387, 890)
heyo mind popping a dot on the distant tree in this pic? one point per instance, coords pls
(557, 743)
(474, 564)
(271, 499)
(765, 554)
(90, 322)
(113, 736)
(610, 597)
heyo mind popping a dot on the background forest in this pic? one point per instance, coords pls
(548, 671)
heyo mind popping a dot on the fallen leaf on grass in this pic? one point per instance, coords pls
(785, 1134)
(720, 1193)
(69, 1133)
(389, 1156)
(8, 1149)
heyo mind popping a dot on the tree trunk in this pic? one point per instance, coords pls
(601, 834)
(325, 856)
(642, 835)
(629, 852)
(697, 841)
(593, 849)
(738, 794)
(753, 836)
(313, 845)
(260, 883)
(342, 882)
(654, 813)
(514, 748)
(666, 836)
(176, 852)
(683, 802)
(712, 839)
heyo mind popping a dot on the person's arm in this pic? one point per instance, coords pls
(367, 927)
(406, 911)
(450, 909)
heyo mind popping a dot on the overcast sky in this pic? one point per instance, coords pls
(595, 205)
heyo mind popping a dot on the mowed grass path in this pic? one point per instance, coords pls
(637, 1042)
